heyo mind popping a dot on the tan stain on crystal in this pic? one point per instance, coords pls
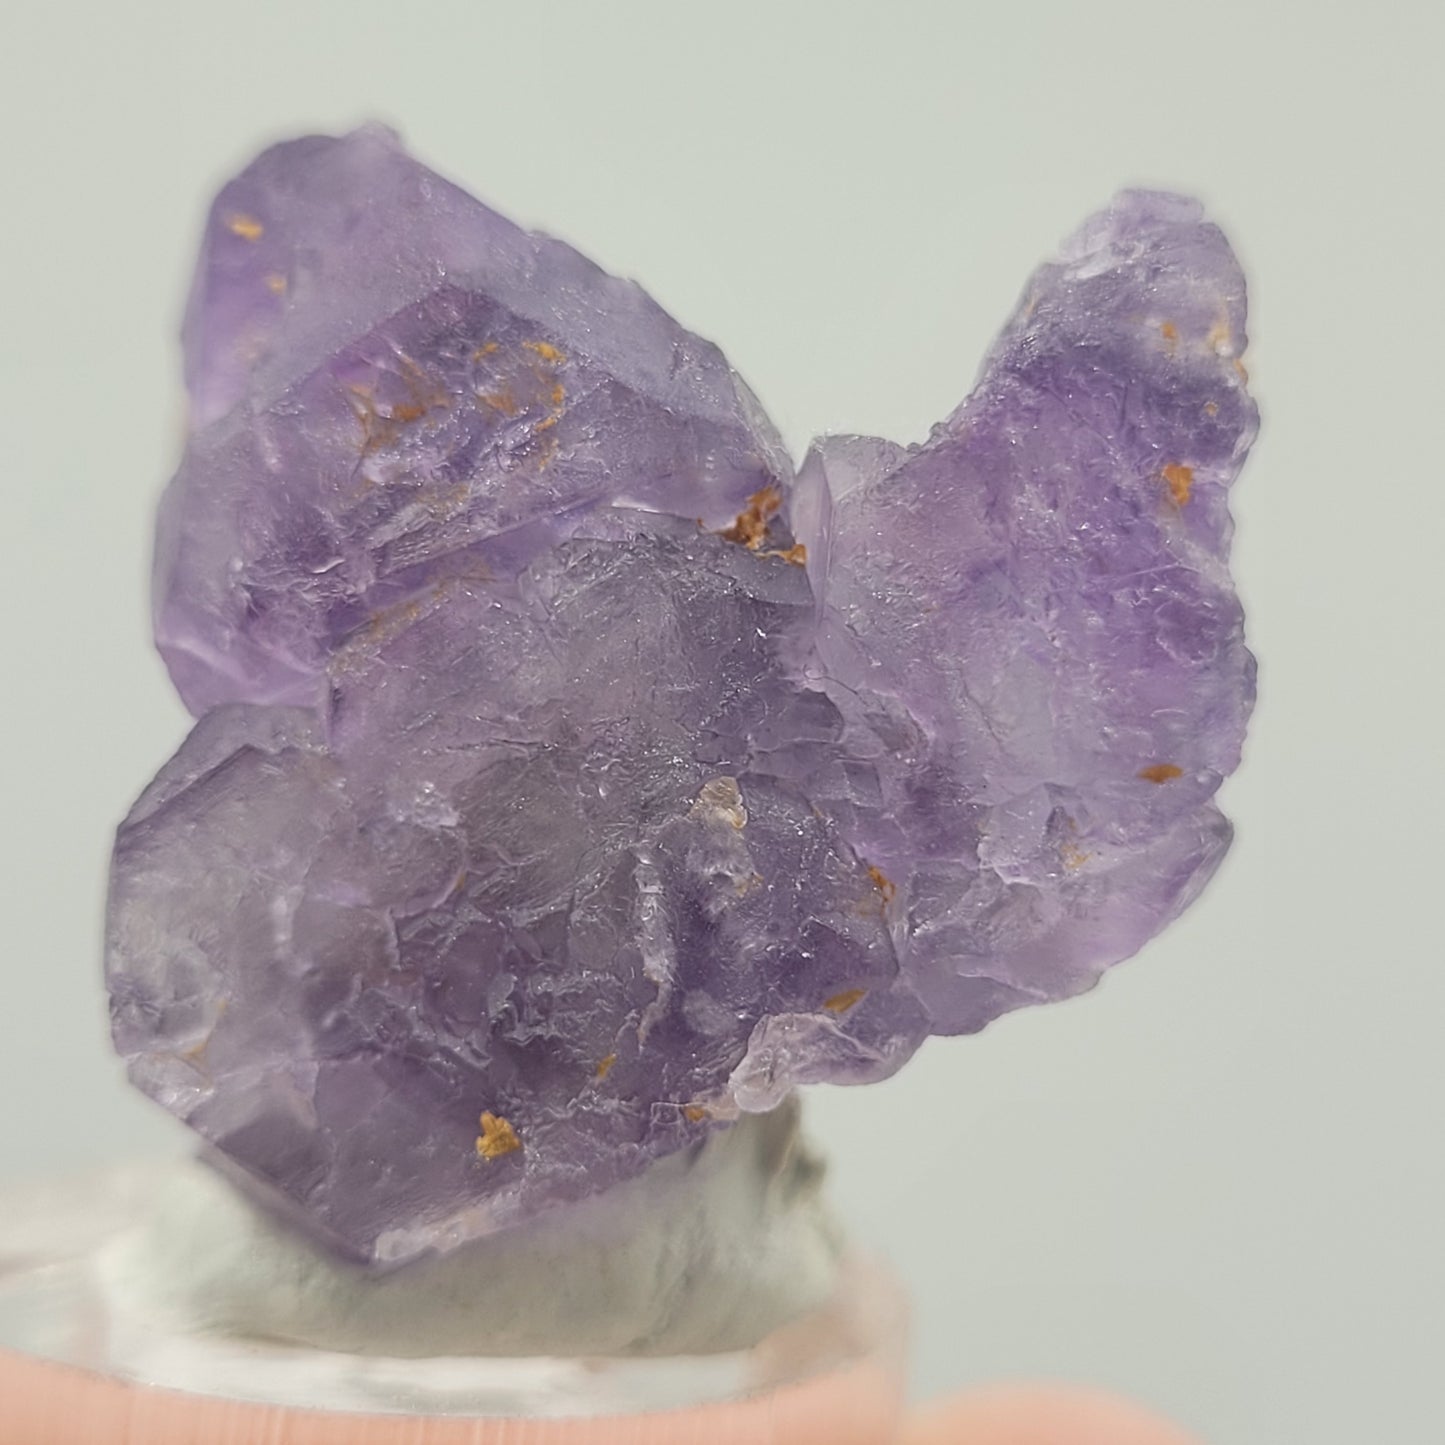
(502, 401)
(497, 1138)
(381, 423)
(1161, 773)
(380, 629)
(694, 1113)
(248, 228)
(556, 397)
(1211, 408)
(443, 503)
(840, 1003)
(751, 527)
(1074, 857)
(721, 798)
(276, 284)
(535, 386)
(606, 1066)
(886, 887)
(1243, 371)
(546, 351)
(1170, 332)
(196, 1054)
(1179, 478)
(797, 554)
(382, 626)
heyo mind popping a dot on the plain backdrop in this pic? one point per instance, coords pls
(1216, 1182)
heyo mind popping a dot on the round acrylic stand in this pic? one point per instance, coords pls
(78, 1368)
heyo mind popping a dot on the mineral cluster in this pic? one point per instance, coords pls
(569, 776)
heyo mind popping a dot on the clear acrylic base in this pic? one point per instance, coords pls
(77, 1365)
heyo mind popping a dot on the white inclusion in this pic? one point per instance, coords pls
(659, 956)
(283, 912)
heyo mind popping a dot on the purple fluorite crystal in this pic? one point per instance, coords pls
(567, 778)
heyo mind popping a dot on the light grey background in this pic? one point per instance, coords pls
(1217, 1181)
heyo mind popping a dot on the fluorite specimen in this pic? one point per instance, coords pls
(569, 778)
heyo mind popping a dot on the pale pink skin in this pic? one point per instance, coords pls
(50, 1404)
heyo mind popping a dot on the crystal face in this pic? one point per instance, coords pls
(568, 777)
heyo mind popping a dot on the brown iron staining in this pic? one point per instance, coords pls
(1170, 332)
(386, 625)
(546, 351)
(382, 422)
(605, 1067)
(797, 554)
(751, 528)
(276, 283)
(248, 228)
(1074, 857)
(380, 629)
(1180, 481)
(501, 401)
(443, 502)
(885, 890)
(537, 387)
(840, 1003)
(1160, 773)
(695, 1113)
(497, 1138)
(886, 887)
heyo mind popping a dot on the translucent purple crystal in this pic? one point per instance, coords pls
(567, 779)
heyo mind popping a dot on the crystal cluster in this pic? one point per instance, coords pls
(568, 776)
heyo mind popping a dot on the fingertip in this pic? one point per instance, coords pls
(1039, 1415)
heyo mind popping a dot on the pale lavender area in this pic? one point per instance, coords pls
(520, 788)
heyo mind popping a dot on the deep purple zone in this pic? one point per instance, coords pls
(523, 786)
